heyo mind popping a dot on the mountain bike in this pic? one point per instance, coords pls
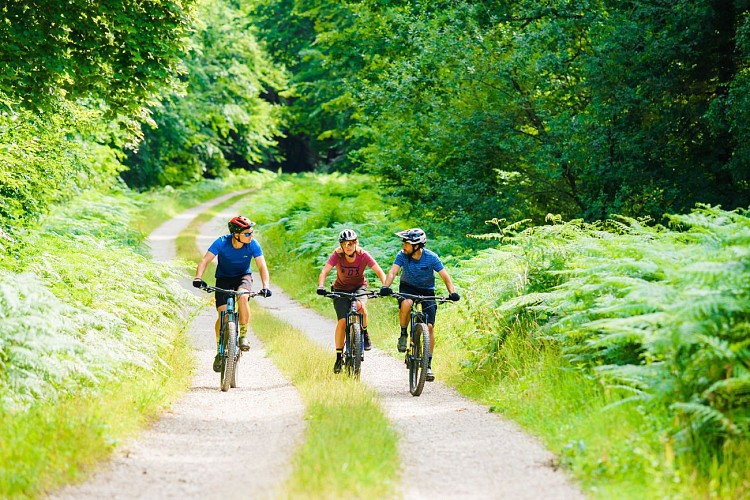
(417, 356)
(229, 336)
(353, 338)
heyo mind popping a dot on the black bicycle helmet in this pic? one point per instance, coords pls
(347, 235)
(414, 236)
(239, 224)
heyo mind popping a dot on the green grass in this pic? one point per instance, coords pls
(61, 443)
(350, 449)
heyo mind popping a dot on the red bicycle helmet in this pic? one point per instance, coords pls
(239, 224)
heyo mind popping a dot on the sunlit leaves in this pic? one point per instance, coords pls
(122, 52)
(222, 119)
(660, 315)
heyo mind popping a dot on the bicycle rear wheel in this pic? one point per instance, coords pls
(355, 350)
(420, 351)
(230, 350)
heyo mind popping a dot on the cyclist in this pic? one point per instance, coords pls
(235, 251)
(418, 266)
(350, 261)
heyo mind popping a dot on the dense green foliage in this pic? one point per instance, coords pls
(474, 110)
(465, 111)
(82, 84)
(624, 345)
(221, 119)
(46, 159)
(122, 53)
(659, 316)
(69, 326)
(75, 78)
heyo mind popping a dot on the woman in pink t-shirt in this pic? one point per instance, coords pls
(350, 262)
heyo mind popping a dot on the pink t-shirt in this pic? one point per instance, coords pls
(350, 275)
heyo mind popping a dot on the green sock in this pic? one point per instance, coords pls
(243, 330)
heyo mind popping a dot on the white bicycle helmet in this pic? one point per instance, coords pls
(414, 236)
(347, 235)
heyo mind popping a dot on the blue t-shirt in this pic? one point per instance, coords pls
(419, 273)
(234, 262)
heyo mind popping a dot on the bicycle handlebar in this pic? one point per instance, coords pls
(351, 295)
(235, 293)
(419, 298)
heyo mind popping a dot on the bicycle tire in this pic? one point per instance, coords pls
(420, 351)
(230, 349)
(237, 356)
(355, 342)
(233, 380)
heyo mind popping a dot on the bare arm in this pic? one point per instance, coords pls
(205, 261)
(447, 280)
(263, 268)
(391, 275)
(379, 272)
(322, 277)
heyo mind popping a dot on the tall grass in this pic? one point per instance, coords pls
(91, 344)
(350, 449)
(622, 344)
(649, 319)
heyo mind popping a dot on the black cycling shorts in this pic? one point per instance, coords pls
(235, 283)
(344, 305)
(429, 307)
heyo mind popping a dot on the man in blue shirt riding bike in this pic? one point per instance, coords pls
(235, 251)
(418, 266)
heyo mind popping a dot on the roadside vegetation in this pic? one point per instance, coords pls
(81, 368)
(622, 345)
(615, 328)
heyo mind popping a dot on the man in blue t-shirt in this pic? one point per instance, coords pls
(235, 251)
(418, 267)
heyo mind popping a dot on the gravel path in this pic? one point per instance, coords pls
(210, 444)
(450, 446)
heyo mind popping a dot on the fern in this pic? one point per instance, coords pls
(663, 313)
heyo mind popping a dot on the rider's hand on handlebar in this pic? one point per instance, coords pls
(385, 291)
(265, 292)
(454, 297)
(199, 283)
(321, 291)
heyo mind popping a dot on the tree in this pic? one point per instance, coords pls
(222, 120)
(122, 52)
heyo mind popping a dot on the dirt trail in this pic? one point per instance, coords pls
(210, 444)
(450, 446)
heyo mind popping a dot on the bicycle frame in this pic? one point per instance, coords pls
(229, 333)
(417, 357)
(353, 338)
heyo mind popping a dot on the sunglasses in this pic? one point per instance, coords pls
(248, 233)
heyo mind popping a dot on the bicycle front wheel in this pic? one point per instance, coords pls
(355, 349)
(230, 353)
(420, 352)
